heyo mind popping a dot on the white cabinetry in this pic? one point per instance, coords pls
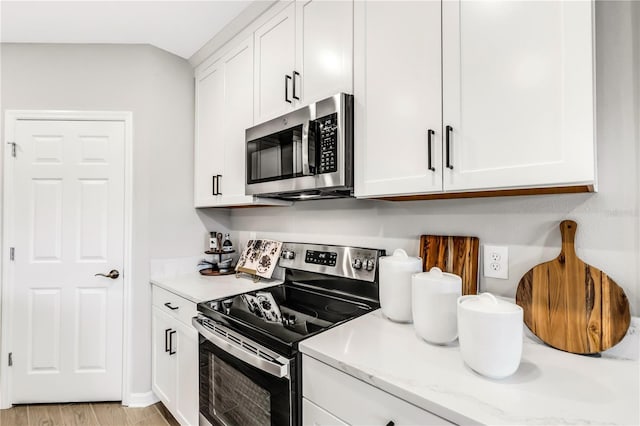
(356, 403)
(303, 54)
(516, 104)
(175, 355)
(224, 109)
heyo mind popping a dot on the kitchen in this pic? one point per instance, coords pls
(168, 234)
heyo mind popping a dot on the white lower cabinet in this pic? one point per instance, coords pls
(316, 416)
(175, 356)
(332, 397)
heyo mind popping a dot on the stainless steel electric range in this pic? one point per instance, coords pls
(250, 368)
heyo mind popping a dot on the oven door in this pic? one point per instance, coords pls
(242, 383)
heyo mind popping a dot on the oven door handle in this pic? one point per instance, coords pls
(274, 368)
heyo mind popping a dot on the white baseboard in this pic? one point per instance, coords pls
(143, 399)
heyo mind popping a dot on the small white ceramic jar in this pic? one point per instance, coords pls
(395, 284)
(434, 302)
(490, 334)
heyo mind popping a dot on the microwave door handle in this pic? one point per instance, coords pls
(306, 141)
(273, 368)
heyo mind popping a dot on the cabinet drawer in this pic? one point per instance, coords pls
(312, 415)
(356, 402)
(174, 305)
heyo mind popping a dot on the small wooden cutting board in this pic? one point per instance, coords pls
(571, 305)
(457, 255)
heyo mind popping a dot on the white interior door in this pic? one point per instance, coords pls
(67, 323)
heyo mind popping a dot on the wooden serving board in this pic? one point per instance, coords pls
(571, 305)
(457, 255)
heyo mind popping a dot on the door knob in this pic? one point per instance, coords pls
(113, 274)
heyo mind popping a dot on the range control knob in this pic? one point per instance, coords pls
(357, 263)
(288, 254)
(369, 264)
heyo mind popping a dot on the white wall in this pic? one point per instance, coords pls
(608, 221)
(158, 88)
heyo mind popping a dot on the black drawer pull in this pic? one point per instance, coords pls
(173, 308)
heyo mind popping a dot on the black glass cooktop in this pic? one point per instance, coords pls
(279, 317)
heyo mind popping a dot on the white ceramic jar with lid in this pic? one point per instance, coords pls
(490, 334)
(395, 284)
(434, 302)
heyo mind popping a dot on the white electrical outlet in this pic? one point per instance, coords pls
(496, 262)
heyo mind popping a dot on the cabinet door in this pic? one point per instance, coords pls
(238, 108)
(274, 45)
(518, 93)
(397, 91)
(187, 375)
(324, 49)
(163, 365)
(209, 141)
(312, 415)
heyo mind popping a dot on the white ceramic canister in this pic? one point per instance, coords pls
(434, 302)
(490, 334)
(395, 284)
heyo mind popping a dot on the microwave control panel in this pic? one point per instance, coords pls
(327, 135)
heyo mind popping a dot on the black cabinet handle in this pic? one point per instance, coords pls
(171, 351)
(216, 185)
(448, 142)
(286, 88)
(391, 423)
(167, 348)
(295, 73)
(173, 308)
(429, 165)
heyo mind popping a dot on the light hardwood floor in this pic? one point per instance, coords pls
(85, 414)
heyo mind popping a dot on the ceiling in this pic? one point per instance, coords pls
(180, 27)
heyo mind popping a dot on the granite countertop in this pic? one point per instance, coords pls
(550, 387)
(199, 288)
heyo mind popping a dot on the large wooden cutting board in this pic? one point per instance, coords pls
(571, 305)
(457, 255)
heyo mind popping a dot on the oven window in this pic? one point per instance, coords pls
(275, 157)
(235, 399)
(234, 393)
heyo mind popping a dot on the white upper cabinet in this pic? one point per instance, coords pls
(324, 49)
(303, 54)
(274, 64)
(398, 97)
(224, 109)
(518, 93)
(506, 88)
(209, 136)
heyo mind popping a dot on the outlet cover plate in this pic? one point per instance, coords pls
(496, 262)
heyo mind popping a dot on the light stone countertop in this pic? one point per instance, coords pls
(550, 387)
(199, 288)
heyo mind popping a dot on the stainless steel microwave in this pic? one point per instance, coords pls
(305, 154)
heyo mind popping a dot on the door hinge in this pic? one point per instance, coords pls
(12, 253)
(13, 148)
(10, 359)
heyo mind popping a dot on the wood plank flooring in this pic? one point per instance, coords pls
(86, 414)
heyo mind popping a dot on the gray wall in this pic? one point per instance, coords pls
(158, 88)
(608, 221)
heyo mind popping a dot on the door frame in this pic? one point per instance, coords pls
(8, 209)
